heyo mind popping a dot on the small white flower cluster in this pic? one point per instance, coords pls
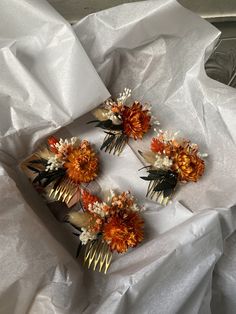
(109, 114)
(154, 121)
(162, 162)
(97, 208)
(124, 95)
(85, 236)
(135, 208)
(166, 136)
(60, 146)
(147, 107)
(194, 146)
(54, 163)
(202, 155)
(109, 195)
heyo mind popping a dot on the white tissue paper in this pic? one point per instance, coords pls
(158, 49)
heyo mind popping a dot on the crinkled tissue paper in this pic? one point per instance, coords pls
(52, 76)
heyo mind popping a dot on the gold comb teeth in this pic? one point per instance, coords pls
(64, 191)
(114, 143)
(97, 253)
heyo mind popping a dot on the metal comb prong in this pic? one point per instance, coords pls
(51, 192)
(64, 191)
(87, 251)
(92, 255)
(108, 261)
(103, 256)
(98, 253)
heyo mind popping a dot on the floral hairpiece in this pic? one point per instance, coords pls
(113, 224)
(171, 160)
(62, 168)
(121, 121)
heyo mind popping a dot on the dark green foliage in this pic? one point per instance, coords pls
(43, 177)
(165, 181)
(107, 125)
(114, 142)
(39, 161)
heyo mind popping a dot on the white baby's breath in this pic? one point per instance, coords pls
(86, 236)
(202, 155)
(97, 208)
(135, 208)
(166, 136)
(162, 162)
(62, 143)
(124, 95)
(54, 163)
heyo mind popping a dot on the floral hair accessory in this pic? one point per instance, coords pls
(171, 160)
(113, 224)
(121, 121)
(62, 168)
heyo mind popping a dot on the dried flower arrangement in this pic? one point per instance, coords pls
(171, 160)
(121, 121)
(111, 224)
(62, 168)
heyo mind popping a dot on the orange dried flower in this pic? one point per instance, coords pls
(95, 223)
(117, 108)
(88, 198)
(123, 231)
(157, 146)
(52, 141)
(189, 166)
(121, 202)
(136, 121)
(171, 148)
(82, 164)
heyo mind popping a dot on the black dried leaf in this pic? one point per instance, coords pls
(167, 183)
(39, 161)
(33, 169)
(158, 172)
(57, 182)
(108, 125)
(93, 121)
(51, 179)
(109, 133)
(120, 139)
(167, 192)
(163, 185)
(150, 177)
(108, 141)
(46, 177)
(166, 180)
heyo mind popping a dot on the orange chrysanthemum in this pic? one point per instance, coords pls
(189, 166)
(82, 164)
(88, 198)
(157, 146)
(123, 231)
(136, 121)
